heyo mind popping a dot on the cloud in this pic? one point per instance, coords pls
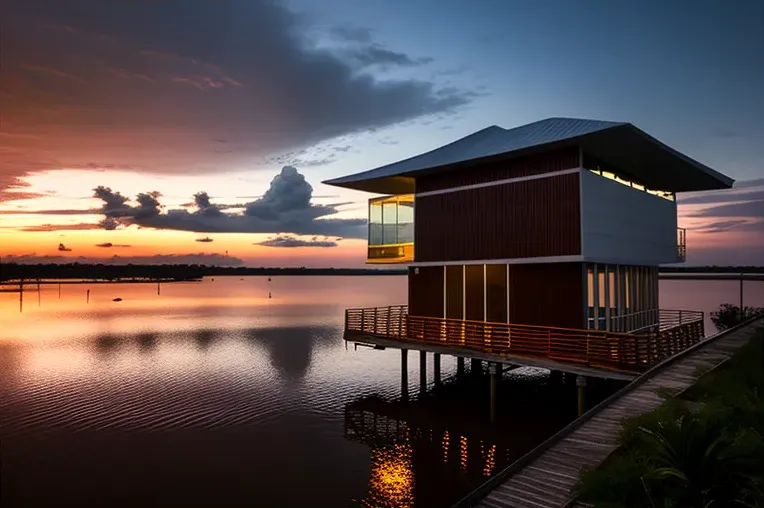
(285, 207)
(206, 239)
(746, 209)
(82, 226)
(109, 245)
(159, 259)
(716, 197)
(63, 248)
(154, 85)
(291, 242)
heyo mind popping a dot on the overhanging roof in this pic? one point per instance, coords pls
(620, 144)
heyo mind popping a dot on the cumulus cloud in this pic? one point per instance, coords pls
(285, 207)
(157, 85)
(290, 241)
(63, 248)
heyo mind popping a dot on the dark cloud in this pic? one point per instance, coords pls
(89, 211)
(157, 85)
(159, 259)
(352, 33)
(285, 207)
(63, 248)
(723, 196)
(753, 209)
(206, 239)
(291, 242)
(109, 245)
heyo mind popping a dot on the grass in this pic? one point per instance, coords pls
(703, 449)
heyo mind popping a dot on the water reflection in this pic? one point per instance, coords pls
(291, 349)
(420, 459)
(147, 341)
(204, 338)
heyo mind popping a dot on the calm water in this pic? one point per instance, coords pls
(212, 394)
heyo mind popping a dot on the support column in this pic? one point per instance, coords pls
(404, 374)
(423, 371)
(581, 385)
(494, 370)
(555, 377)
(476, 366)
(436, 367)
(459, 366)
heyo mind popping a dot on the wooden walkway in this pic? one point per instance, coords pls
(547, 476)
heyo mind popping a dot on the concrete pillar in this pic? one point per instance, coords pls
(459, 366)
(404, 374)
(581, 385)
(494, 370)
(476, 366)
(436, 368)
(423, 371)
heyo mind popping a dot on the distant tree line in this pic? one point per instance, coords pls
(14, 271)
(712, 269)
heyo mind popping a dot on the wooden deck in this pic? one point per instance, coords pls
(546, 477)
(595, 350)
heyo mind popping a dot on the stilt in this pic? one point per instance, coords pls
(404, 374)
(459, 366)
(555, 377)
(495, 374)
(476, 366)
(436, 368)
(423, 371)
(581, 385)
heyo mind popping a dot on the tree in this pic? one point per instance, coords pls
(730, 315)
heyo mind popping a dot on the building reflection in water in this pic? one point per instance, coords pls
(417, 460)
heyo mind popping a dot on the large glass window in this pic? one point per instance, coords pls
(375, 224)
(405, 222)
(391, 220)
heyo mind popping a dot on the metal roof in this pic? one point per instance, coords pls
(617, 142)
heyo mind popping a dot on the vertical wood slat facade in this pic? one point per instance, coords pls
(525, 219)
(535, 164)
(539, 294)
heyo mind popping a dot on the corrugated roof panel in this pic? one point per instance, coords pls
(490, 141)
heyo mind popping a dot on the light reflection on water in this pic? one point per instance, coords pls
(212, 393)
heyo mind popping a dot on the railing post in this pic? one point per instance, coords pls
(375, 320)
(680, 317)
(346, 319)
(387, 323)
(363, 320)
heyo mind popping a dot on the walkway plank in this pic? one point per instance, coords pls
(549, 480)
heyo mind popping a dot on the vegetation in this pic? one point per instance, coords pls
(13, 271)
(730, 315)
(701, 450)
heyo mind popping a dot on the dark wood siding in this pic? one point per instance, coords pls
(496, 293)
(548, 294)
(426, 291)
(474, 295)
(535, 164)
(454, 291)
(524, 219)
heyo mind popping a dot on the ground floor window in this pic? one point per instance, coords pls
(621, 298)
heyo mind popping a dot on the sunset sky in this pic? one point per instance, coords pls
(193, 130)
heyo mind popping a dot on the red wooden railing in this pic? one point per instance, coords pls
(595, 348)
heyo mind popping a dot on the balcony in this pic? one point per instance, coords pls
(391, 230)
(681, 245)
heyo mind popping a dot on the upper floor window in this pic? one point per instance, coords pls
(612, 176)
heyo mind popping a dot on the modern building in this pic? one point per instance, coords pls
(562, 223)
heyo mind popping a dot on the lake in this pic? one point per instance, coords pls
(212, 393)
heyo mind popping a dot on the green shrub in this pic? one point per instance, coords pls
(730, 315)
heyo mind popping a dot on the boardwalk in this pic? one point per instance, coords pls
(547, 479)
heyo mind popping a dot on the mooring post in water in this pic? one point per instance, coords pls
(423, 371)
(581, 385)
(21, 295)
(39, 300)
(436, 368)
(87, 296)
(459, 366)
(404, 374)
(59, 288)
(476, 366)
(494, 370)
(158, 290)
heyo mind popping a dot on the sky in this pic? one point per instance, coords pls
(200, 131)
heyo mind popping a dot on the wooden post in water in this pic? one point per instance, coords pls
(459, 366)
(21, 295)
(158, 288)
(423, 371)
(59, 289)
(39, 301)
(581, 385)
(404, 374)
(494, 370)
(436, 369)
(88, 296)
